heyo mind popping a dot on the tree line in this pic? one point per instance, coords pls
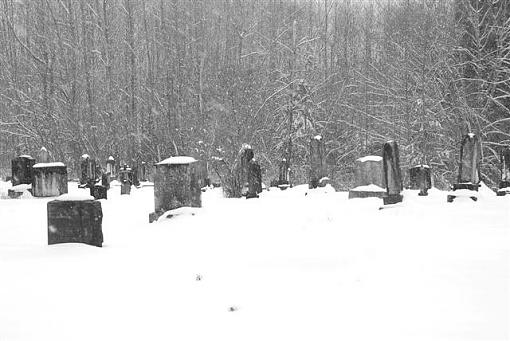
(143, 80)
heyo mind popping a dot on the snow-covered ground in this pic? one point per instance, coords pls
(287, 266)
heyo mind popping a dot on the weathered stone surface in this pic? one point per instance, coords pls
(75, 222)
(111, 168)
(99, 192)
(504, 184)
(392, 173)
(43, 156)
(469, 167)
(88, 171)
(420, 178)
(49, 179)
(245, 156)
(317, 162)
(22, 172)
(284, 174)
(125, 179)
(254, 180)
(369, 176)
(176, 185)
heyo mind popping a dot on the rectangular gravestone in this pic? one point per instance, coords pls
(175, 185)
(111, 168)
(468, 178)
(99, 192)
(22, 172)
(504, 183)
(392, 173)
(420, 178)
(317, 162)
(369, 176)
(246, 154)
(75, 220)
(254, 180)
(284, 174)
(49, 179)
(125, 179)
(88, 171)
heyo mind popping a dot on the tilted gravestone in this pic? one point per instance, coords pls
(369, 176)
(49, 179)
(254, 180)
(392, 173)
(420, 178)
(317, 162)
(176, 185)
(22, 172)
(504, 183)
(75, 220)
(469, 167)
(88, 171)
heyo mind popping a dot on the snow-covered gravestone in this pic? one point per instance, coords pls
(43, 156)
(110, 168)
(468, 179)
(75, 219)
(22, 172)
(369, 178)
(175, 185)
(88, 171)
(254, 180)
(392, 173)
(420, 178)
(504, 183)
(49, 179)
(284, 174)
(317, 162)
(126, 180)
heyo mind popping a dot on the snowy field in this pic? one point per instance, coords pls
(287, 266)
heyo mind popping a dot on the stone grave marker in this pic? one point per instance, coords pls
(504, 183)
(22, 171)
(126, 180)
(88, 171)
(254, 180)
(99, 192)
(369, 175)
(43, 156)
(420, 178)
(392, 173)
(49, 179)
(468, 178)
(111, 168)
(73, 219)
(245, 156)
(317, 162)
(176, 185)
(284, 174)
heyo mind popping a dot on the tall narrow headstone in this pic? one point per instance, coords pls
(254, 180)
(284, 174)
(143, 171)
(420, 178)
(245, 156)
(317, 162)
(504, 183)
(88, 171)
(110, 168)
(175, 185)
(22, 172)
(369, 175)
(392, 173)
(126, 180)
(469, 167)
(75, 220)
(50, 179)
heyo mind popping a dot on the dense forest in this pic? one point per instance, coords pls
(143, 80)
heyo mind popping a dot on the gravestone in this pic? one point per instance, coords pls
(126, 180)
(43, 156)
(420, 178)
(284, 174)
(469, 168)
(392, 173)
(99, 192)
(504, 183)
(75, 220)
(254, 180)
(110, 168)
(245, 156)
(317, 162)
(143, 172)
(22, 172)
(175, 185)
(49, 179)
(369, 175)
(135, 180)
(88, 171)
(105, 180)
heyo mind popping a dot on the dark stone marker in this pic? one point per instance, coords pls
(50, 179)
(284, 174)
(469, 166)
(317, 162)
(392, 174)
(245, 156)
(176, 185)
(504, 184)
(126, 180)
(105, 180)
(22, 172)
(99, 192)
(75, 222)
(254, 180)
(369, 176)
(143, 171)
(88, 171)
(111, 168)
(420, 178)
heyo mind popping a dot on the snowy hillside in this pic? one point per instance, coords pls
(287, 266)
